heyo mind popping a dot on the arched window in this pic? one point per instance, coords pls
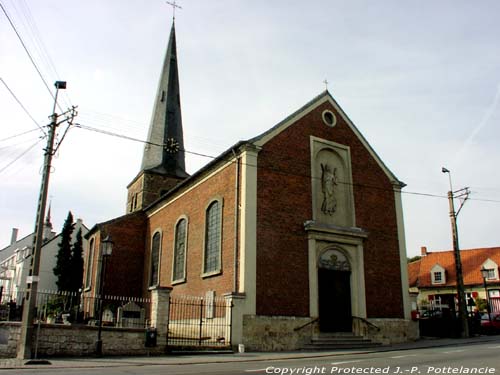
(90, 260)
(155, 260)
(179, 273)
(212, 263)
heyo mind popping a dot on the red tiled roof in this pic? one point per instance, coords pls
(419, 272)
(413, 272)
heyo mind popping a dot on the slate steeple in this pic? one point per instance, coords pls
(166, 121)
(163, 160)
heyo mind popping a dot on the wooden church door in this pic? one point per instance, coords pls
(334, 292)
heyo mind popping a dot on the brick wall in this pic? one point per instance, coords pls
(284, 204)
(148, 186)
(124, 268)
(193, 205)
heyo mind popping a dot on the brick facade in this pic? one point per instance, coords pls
(123, 276)
(146, 188)
(284, 204)
(191, 202)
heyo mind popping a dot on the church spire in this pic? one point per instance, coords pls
(164, 154)
(48, 223)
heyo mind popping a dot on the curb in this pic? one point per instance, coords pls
(12, 364)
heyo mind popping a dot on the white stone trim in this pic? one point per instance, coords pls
(402, 252)
(317, 145)
(248, 230)
(351, 243)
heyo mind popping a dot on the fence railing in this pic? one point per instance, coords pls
(199, 322)
(71, 307)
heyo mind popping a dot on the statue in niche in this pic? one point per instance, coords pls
(328, 186)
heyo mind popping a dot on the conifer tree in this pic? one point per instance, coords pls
(62, 270)
(76, 263)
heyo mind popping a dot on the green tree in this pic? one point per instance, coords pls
(413, 259)
(76, 263)
(62, 270)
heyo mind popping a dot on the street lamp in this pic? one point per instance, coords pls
(106, 250)
(462, 308)
(484, 273)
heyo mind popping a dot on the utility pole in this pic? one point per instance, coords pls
(24, 349)
(462, 308)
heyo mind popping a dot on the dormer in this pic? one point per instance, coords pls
(492, 268)
(438, 275)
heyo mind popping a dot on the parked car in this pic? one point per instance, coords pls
(490, 327)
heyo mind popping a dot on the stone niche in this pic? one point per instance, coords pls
(331, 183)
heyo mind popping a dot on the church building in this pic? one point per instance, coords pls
(301, 227)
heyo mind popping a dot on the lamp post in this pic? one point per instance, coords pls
(484, 274)
(462, 308)
(106, 250)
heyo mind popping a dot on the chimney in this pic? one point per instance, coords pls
(13, 238)
(423, 251)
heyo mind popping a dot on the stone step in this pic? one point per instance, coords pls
(335, 341)
(313, 347)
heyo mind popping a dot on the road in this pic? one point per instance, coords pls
(481, 358)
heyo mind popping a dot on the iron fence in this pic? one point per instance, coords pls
(196, 322)
(72, 307)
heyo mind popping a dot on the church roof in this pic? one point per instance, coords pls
(166, 121)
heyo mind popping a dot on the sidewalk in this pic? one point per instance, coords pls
(90, 362)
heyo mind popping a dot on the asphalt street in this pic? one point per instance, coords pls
(470, 358)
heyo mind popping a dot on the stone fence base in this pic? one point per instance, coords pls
(275, 333)
(75, 340)
(282, 333)
(392, 331)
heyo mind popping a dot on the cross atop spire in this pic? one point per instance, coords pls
(174, 5)
(326, 84)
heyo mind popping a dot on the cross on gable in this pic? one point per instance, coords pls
(174, 5)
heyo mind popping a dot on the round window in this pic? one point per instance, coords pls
(329, 118)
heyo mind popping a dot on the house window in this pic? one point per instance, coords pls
(211, 262)
(180, 251)
(90, 260)
(438, 277)
(155, 260)
(492, 275)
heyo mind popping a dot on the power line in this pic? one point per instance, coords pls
(28, 53)
(39, 45)
(18, 135)
(373, 187)
(22, 106)
(20, 156)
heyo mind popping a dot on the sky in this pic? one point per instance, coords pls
(420, 80)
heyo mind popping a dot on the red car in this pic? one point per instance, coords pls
(490, 327)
